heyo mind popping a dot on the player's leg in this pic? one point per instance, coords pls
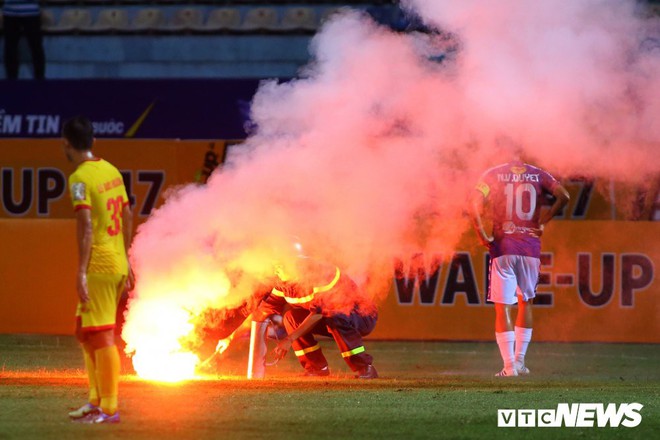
(32, 26)
(99, 324)
(346, 331)
(365, 324)
(523, 331)
(90, 367)
(307, 349)
(107, 361)
(502, 292)
(503, 318)
(12, 37)
(527, 273)
(505, 337)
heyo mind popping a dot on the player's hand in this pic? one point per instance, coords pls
(223, 345)
(538, 232)
(282, 348)
(83, 294)
(486, 240)
(130, 280)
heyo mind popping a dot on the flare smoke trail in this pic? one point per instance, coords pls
(371, 153)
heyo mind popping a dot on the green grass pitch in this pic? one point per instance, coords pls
(427, 390)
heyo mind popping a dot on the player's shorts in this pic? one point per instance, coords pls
(104, 294)
(512, 275)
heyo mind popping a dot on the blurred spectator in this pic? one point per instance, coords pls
(23, 17)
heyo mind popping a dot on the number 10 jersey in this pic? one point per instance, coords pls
(514, 195)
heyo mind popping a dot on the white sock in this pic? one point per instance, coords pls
(523, 337)
(505, 341)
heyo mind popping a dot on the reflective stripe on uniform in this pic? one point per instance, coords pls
(304, 351)
(355, 351)
(329, 285)
(310, 297)
(304, 299)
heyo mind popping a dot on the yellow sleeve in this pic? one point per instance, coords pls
(80, 193)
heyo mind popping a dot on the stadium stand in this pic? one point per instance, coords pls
(110, 21)
(299, 19)
(71, 21)
(327, 13)
(182, 38)
(172, 2)
(149, 20)
(260, 19)
(58, 2)
(185, 20)
(194, 16)
(221, 20)
(47, 18)
(96, 2)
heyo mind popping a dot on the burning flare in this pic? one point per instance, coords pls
(161, 321)
(159, 354)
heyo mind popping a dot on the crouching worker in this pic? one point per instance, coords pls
(324, 301)
(316, 299)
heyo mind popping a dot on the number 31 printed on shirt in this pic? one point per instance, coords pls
(115, 206)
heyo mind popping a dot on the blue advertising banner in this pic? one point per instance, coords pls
(156, 109)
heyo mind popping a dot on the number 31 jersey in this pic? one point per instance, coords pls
(514, 195)
(98, 186)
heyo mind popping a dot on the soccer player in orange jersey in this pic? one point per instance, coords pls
(104, 224)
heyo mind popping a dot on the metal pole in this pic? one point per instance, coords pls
(257, 357)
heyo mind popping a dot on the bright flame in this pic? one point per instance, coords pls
(165, 366)
(156, 339)
(162, 316)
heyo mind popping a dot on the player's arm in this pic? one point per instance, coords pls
(223, 344)
(84, 236)
(269, 307)
(561, 199)
(127, 231)
(477, 208)
(305, 327)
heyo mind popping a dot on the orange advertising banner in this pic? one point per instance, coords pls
(597, 277)
(34, 172)
(33, 175)
(597, 283)
(38, 264)
(37, 228)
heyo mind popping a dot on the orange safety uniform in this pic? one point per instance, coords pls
(347, 316)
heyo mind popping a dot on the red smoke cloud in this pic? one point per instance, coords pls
(372, 152)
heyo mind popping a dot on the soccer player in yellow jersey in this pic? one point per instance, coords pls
(104, 223)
